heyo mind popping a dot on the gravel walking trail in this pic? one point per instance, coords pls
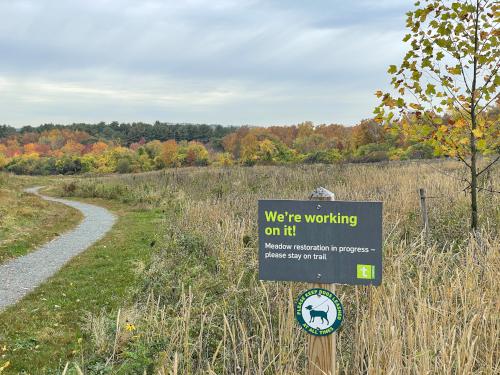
(22, 275)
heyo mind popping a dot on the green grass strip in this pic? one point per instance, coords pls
(40, 333)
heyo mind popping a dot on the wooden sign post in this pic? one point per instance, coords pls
(322, 350)
(323, 242)
(425, 217)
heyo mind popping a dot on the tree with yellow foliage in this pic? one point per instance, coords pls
(451, 67)
(196, 154)
(169, 153)
(3, 160)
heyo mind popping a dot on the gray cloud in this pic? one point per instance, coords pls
(231, 62)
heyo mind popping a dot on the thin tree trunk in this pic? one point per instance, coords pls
(473, 187)
(473, 147)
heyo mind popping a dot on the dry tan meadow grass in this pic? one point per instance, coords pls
(201, 308)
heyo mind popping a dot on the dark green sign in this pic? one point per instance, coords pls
(319, 312)
(320, 241)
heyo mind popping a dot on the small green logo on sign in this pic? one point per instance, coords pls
(365, 271)
(319, 312)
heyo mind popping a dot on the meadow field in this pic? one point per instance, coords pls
(130, 186)
(199, 307)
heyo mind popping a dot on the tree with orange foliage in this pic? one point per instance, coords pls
(230, 143)
(42, 149)
(13, 148)
(30, 149)
(368, 131)
(99, 148)
(72, 148)
(169, 153)
(286, 134)
(338, 135)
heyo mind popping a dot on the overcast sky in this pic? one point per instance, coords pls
(204, 61)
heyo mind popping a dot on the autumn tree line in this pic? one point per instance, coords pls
(125, 148)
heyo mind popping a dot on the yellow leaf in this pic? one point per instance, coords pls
(464, 141)
(460, 123)
(477, 133)
(443, 128)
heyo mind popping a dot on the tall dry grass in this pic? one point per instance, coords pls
(202, 309)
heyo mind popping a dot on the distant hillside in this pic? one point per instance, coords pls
(137, 147)
(127, 133)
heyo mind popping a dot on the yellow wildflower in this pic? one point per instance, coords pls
(4, 366)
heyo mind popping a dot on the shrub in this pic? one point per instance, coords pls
(123, 165)
(370, 153)
(69, 165)
(324, 157)
(420, 151)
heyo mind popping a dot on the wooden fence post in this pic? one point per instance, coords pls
(423, 208)
(322, 356)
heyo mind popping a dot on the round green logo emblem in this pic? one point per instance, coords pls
(319, 312)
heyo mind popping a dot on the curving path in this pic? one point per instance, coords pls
(20, 276)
